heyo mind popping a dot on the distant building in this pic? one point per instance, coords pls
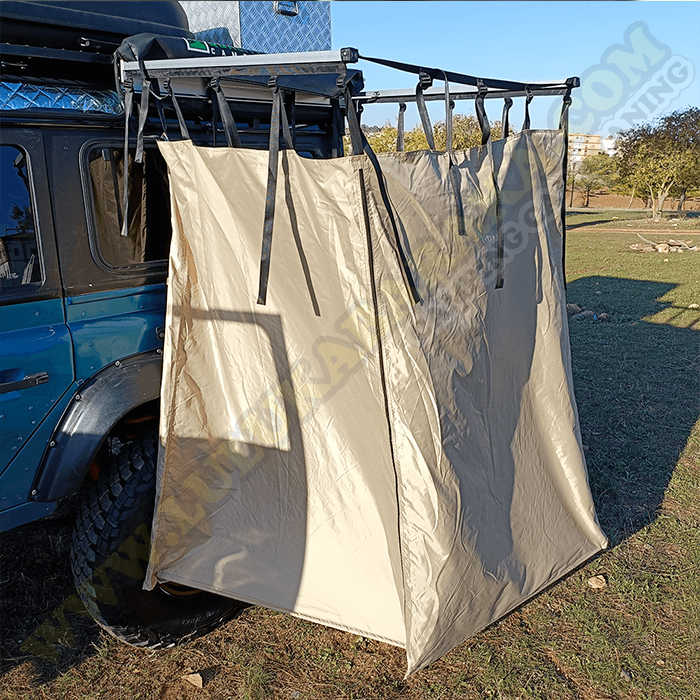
(608, 145)
(583, 145)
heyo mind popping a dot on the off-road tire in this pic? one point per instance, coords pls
(109, 556)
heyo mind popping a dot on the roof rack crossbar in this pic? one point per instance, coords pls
(438, 93)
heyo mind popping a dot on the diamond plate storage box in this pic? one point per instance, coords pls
(268, 27)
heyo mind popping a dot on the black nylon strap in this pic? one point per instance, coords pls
(214, 115)
(425, 81)
(337, 147)
(155, 92)
(500, 237)
(459, 78)
(354, 126)
(564, 126)
(143, 115)
(564, 116)
(457, 192)
(481, 112)
(528, 99)
(115, 185)
(453, 170)
(180, 119)
(286, 131)
(293, 118)
(400, 129)
(449, 106)
(356, 136)
(505, 126)
(270, 196)
(233, 139)
(128, 106)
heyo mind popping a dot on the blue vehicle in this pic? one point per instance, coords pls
(82, 307)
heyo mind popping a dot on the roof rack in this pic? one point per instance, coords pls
(438, 93)
(312, 74)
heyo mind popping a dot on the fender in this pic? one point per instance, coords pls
(99, 405)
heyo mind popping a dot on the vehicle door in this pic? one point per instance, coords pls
(36, 359)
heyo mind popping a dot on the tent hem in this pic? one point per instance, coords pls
(163, 575)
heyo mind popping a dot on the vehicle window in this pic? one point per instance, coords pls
(20, 269)
(148, 208)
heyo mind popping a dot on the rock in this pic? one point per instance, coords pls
(665, 259)
(194, 678)
(648, 248)
(625, 675)
(587, 314)
(694, 306)
(674, 249)
(663, 248)
(573, 309)
(598, 582)
(603, 317)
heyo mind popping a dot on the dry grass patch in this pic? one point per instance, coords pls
(637, 378)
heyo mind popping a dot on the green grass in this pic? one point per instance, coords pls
(634, 219)
(637, 380)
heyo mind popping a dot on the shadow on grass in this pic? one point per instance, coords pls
(593, 222)
(637, 389)
(43, 621)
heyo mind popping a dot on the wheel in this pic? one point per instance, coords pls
(109, 556)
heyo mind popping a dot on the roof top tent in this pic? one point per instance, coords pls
(75, 41)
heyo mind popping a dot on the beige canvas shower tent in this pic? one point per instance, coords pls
(375, 429)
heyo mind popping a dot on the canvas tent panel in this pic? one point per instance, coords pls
(273, 479)
(408, 471)
(488, 369)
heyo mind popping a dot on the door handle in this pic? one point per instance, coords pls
(29, 381)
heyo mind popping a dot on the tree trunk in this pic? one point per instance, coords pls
(660, 209)
(588, 196)
(681, 199)
(634, 191)
(654, 205)
(573, 183)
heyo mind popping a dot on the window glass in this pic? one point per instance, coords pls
(19, 258)
(147, 211)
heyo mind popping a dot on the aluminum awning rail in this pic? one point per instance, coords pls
(438, 93)
(272, 65)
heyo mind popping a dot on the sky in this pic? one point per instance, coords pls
(535, 41)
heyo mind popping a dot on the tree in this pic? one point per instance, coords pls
(595, 173)
(658, 156)
(465, 129)
(684, 127)
(24, 218)
(571, 178)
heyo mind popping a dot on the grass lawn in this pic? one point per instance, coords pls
(637, 220)
(637, 379)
